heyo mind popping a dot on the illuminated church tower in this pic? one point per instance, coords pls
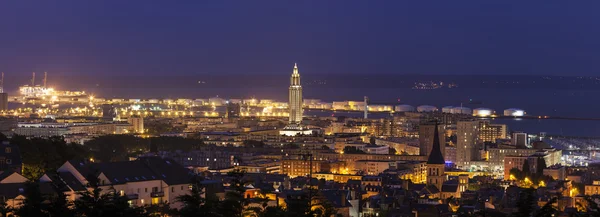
(435, 163)
(295, 97)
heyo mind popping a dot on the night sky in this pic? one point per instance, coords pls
(324, 36)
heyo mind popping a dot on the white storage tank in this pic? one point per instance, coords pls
(447, 109)
(405, 108)
(461, 110)
(426, 108)
(514, 112)
(482, 112)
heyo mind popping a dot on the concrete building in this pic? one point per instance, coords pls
(427, 133)
(10, 158)
(409, 146)
(109, 112)
(515, 162)
(519, 139)
(377, 149)
(297, 167)
(8, 125)
(467, 148)
(349, 105)
(450, 154)
(102, 129)
(233, 110)
(551, 158)
(137, 122)
(496, 156)
(3, 101)
(556, 172)
(41, 130)
(412, 170)
(490, 132)
(371, 167)
(593, 189)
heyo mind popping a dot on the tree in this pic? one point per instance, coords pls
(33, 171)
(41, 155)
(548, 209)
(541, 165)
(591, 208)
(321, 206)
(195, 205)
(98, 204)
(291, 146)
(91, 204)
(160, 210)
(3, 137)
(32, 204)
(253, 144)
(526, 202)
(59, 206)
(352, 150)
(273, 212)
(234, 202)
(518, 174)
(393, 151)
(4, 209)
(526, 171)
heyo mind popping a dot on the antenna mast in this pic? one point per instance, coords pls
(33, 80)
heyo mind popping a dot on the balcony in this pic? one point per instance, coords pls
(157, 194)
(132, 196)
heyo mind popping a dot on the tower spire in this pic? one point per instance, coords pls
(436, 157)
(295, 69)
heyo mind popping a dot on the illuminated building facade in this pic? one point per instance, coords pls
(294, 126)
(294, 168)
(466, 143)
(137, 122)
(372, 167)
(295, 97)
(593, 189)
(416, 171)
(490, 132)
(519, 139)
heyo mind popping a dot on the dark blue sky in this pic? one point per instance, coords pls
(323, 36)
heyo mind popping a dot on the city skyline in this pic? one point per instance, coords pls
(403, 108)
(328, 37)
